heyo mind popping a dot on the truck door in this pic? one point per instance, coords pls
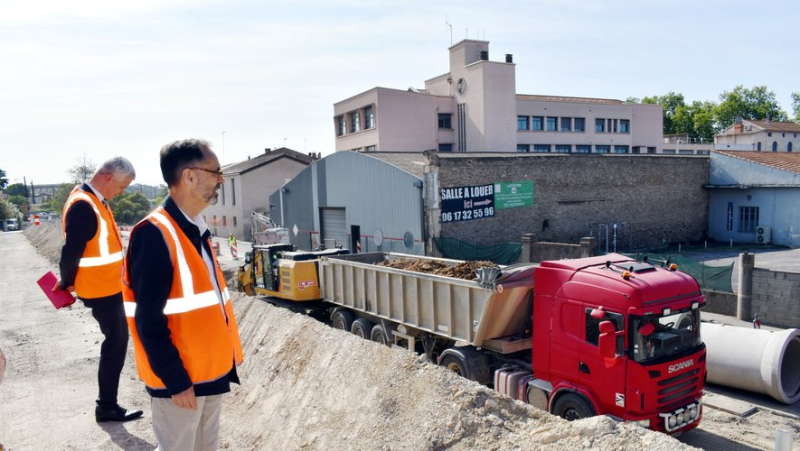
(605, 377)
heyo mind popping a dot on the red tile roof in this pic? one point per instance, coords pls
(777, 126)
(787, 161)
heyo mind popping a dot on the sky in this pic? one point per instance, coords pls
(96, 79)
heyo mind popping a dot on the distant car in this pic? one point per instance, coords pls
(11, 224)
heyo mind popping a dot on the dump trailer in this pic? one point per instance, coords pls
(599, 335)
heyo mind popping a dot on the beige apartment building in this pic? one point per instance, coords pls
(759, 136)
(475, 108)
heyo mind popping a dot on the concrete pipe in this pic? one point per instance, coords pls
(757, 360)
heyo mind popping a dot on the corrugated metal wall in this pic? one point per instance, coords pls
(377, 196)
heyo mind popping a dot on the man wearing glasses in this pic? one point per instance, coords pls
(184, 332)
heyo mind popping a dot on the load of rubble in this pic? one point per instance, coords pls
(465, 270)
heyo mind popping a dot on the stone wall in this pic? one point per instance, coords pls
(536, 252)
(776, 297)
(720, 302)
(653, 199)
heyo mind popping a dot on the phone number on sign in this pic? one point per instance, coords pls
(466, 215)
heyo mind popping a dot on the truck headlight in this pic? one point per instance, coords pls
(672, 421)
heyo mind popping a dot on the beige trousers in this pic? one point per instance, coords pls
(179, 429)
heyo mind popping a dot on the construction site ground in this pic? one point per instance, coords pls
(305, 386)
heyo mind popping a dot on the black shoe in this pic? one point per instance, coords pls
(115, 413)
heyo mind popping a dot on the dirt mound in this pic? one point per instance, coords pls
(464, 270)
(47, 238)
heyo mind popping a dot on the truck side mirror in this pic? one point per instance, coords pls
(248, 258)
(607, 341)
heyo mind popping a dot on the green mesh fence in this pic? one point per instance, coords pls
(717, 278)
(502, 254)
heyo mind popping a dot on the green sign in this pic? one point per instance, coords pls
(513, 194)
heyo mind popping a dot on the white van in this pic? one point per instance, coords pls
(11, 224)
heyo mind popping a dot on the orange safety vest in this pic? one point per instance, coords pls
(206, 337)
(100, 268)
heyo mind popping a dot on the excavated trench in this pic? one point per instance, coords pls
(308, 386)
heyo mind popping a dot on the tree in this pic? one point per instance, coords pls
(755, 104)
(130, 208)
(5, 210)
(56, 203)
(16, 189)
(82, 171)
(705, 125)
(671, 102)
(21, 203)
(3, 179)
(796, 105)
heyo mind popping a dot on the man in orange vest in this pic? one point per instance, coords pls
(179, 311)
(91, 266)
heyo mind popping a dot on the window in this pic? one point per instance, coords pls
(445, 147)
(224, 221)
(759, 146)
(369, 118)
(600, 125)
(774, 146)
(621, 149)
(789, 147)
(769, 133)
(222, 189)
(583, 148)
(233, 193)
(537, 123)
(234, 221)
(651, 150)
(593, 327)
(612, 126)
(563, 148)
(340, 126)
(551, 124)
(541, 148)
(685, 152)
(445, 121)
(523, 147)
(580, 124)
(522, 123)
(669, 151)
(566, 124)
(355, 125)
(602, 149)
(748, 219)
(624, 126)
(370, 149)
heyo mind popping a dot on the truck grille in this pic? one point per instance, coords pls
(678, 387)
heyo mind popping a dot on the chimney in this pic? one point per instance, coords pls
(738, 127)
(485, 55)
(509, 58)
(267, 150)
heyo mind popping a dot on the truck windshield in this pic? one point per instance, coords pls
(658, 337)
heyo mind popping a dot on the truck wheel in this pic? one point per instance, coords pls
(454, 364)
(378, 335)
(362, 328)
(342, 320)
(573, 407)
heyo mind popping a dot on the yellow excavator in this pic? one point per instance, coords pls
(279, 272)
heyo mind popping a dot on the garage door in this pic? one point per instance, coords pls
(334, 227)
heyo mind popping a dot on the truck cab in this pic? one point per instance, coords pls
(618, 337)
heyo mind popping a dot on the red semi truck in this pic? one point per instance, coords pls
(599, 335)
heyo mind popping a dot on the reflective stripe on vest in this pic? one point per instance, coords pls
(184, 304)
(106, 256)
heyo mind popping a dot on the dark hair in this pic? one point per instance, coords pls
(178, 155)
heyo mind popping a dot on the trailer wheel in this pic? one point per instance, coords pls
(362, 328)
(454, 364)
(342, 320)
(378, 335)
(573, 407)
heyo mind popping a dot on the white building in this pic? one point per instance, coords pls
(475, 108)
(759, 136)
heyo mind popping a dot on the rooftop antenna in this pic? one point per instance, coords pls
(451, 29)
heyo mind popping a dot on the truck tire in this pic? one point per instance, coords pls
(362, 327)
(455, 364)
(573, 407)
(342, 320)
(378, 335)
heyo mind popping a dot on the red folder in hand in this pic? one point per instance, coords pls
(59, 298)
